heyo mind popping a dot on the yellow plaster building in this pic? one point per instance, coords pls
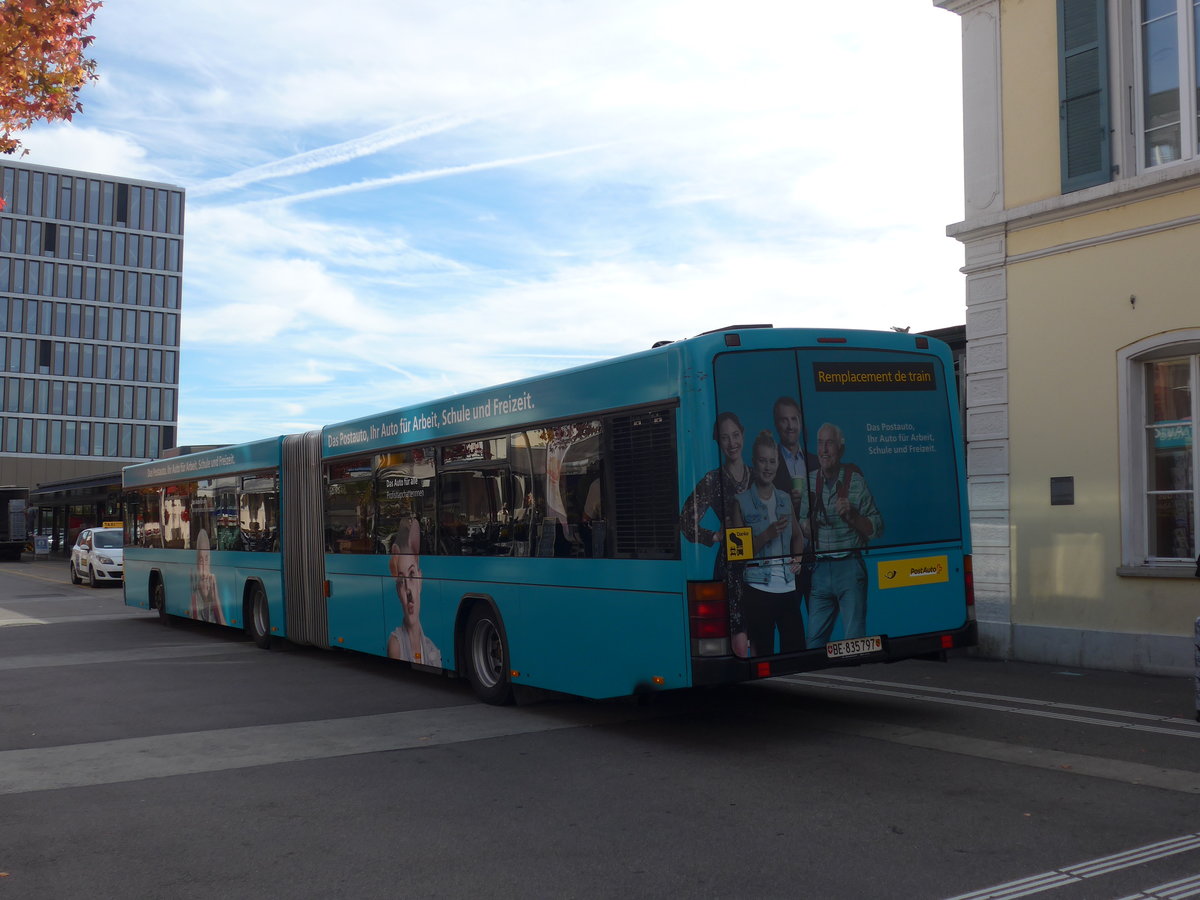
(1081, 237)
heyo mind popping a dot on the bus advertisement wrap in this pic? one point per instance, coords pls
(832, 465)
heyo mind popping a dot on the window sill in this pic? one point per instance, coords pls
(1187, 571)
(1119, 192)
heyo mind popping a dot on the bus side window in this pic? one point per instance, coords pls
(176, 512)
(349, 506)
(404, 490)
(476, 517)
(225, 515)
(527, 499)
(575, 457)
(258, 514)
(142, 523)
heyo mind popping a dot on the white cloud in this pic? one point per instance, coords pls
(788, 163)
(68, 145)
(333, 155)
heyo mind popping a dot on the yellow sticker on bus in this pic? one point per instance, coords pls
(739, 544)
(907, 572)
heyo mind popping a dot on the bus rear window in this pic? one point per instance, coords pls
(852, 429)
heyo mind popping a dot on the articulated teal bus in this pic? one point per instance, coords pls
(750, 502)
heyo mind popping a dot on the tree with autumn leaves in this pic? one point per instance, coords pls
(43, 62)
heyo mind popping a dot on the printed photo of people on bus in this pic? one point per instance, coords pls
(205, 603)
(810, 514)
(767, 594)
(408, 641)
(840, 513)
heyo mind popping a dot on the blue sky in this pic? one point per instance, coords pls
(395, 200)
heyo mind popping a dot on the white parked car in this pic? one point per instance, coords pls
(98, 556)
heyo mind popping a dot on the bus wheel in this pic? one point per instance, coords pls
(158, 600)
(259, 618)
(487, 656)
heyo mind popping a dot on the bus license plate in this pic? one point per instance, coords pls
(853, 647)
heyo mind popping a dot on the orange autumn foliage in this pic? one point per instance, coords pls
(42, 62)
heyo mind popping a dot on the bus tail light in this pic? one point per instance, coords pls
(708, 616)
(969, 582)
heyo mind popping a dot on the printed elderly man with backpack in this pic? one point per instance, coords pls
(840, 508)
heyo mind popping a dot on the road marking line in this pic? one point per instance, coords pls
(139, 654)
(66, 619)
(16, 574)
(1172, 890)
(191, 753)
(1183, 728)
(62, 620)
(828, 676)
(1179, 780)
(12, 618)
(1045, 881)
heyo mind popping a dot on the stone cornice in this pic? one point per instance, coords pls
(1174, 179)
(963, 7)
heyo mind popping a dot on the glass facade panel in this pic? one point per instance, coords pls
(175, 213)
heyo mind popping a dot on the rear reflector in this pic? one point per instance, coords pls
(709, 628)
(711, 647)
(947, 641)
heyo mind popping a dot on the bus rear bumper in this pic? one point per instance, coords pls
(726, 669)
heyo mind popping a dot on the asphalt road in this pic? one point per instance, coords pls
(139, 760)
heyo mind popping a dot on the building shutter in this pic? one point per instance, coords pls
(1083, 94)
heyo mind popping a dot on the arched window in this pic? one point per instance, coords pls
(1159, 383)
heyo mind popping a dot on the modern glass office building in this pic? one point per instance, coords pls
(90, 295)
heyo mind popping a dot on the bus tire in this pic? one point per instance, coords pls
(486, 654)
(158, 600)
(258, 617)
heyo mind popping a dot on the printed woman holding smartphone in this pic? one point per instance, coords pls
(716, 491)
